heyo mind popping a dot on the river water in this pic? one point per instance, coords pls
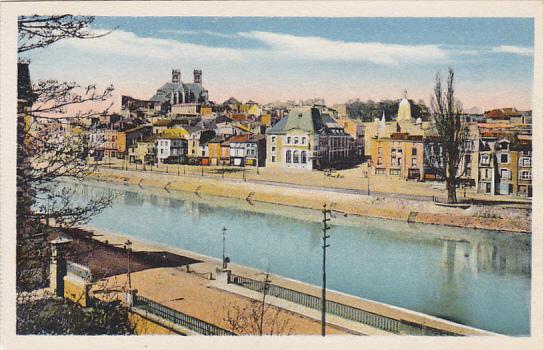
(474, 277)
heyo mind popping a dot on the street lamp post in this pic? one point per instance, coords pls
(326, 227)
(224, 258)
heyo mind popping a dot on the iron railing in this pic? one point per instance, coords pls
(179, 318)
(345, 311)
(79, 270)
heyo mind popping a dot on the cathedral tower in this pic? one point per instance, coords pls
(176, 76)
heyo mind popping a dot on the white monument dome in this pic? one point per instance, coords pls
(405, 110)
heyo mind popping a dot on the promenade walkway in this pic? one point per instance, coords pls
(216, 302)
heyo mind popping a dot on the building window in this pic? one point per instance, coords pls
(414, 161)
(525, 162)
(288, 156)
(288, 139)
(303, 157)
(380, 171)
(504, 158)
(380, 151)
(273, 139)
(295, 157)
(503, 145)
(380, 161)
(484, 160)
(303, 140)
(273, 159)
(414, 151)
(525, 175)
(394, 172)
(505, 174)
(296, 140)
(273, 148)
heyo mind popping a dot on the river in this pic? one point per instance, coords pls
(474, 277)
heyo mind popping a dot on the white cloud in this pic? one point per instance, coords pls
(317, 48)
(129, 44)
(179, 31)
(275, 46)
(516, 50)
(199, 32)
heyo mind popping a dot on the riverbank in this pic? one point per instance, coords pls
(498, 218)
(168, 283)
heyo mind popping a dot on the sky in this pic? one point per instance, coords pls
(268, 59)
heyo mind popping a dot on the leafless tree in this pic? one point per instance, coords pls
(256, 317)
(40, 31)
(450, 144)
(46, 152)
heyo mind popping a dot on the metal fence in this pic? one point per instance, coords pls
(345, 311)
(79, 270)
(179, 318)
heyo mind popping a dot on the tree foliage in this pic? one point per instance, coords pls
(64, 317)
(370, 110)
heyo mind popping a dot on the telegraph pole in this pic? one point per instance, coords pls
(326, 227)
(128, 246)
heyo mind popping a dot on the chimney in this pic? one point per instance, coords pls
(197, 73)
(176, 75)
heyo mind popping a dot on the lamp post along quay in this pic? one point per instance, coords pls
(224, 257)
(326, 227)
(223, 272)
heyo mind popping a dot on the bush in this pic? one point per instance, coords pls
(64, 317)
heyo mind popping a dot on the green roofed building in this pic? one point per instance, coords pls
(307, 139)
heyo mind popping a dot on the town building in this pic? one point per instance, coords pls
(356, 129)
(111, 149)
(171, 148)
(247, 150)
(307, 139)
(143, 151)
(215, 151)
(129, 137)
(179, 98)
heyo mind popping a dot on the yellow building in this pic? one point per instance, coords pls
(254, 110)
(266, 120)
(400, 154)
(143, 151)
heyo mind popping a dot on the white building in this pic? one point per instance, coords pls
(171, 149)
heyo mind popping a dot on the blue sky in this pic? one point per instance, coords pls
(268, 59)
